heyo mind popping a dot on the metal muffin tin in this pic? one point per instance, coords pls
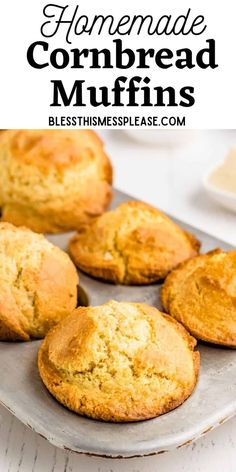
(212, 403)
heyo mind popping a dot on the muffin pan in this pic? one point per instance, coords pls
(212, 403)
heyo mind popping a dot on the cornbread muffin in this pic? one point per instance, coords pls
(201, 294)
(119, 362)
(53, 180)
(133, 244)
(38, 284)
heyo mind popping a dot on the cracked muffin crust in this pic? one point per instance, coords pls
(133, 244)
(38, 284)
(201, 294)
(53, 180)
(119, 362)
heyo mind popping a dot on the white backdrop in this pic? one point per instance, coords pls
(26, 93)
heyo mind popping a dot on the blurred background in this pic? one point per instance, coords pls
(168, 169)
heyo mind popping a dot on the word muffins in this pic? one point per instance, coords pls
(38, 284)
(53, 180)
(114, 363)
(133, 244)
(201, 294)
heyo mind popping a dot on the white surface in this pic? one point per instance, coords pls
(223, 197)
(171, 179)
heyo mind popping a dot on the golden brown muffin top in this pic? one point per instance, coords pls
(53, 148)
(201, 294)
(38, 284)
(53, 180)
(133, 244)
(119, 362)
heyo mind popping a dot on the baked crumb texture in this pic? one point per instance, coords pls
(201, 294)
(133, 244)
(53, 180)
(38, 284)
(119, 362)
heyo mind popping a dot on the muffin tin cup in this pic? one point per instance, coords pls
(213, 401)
